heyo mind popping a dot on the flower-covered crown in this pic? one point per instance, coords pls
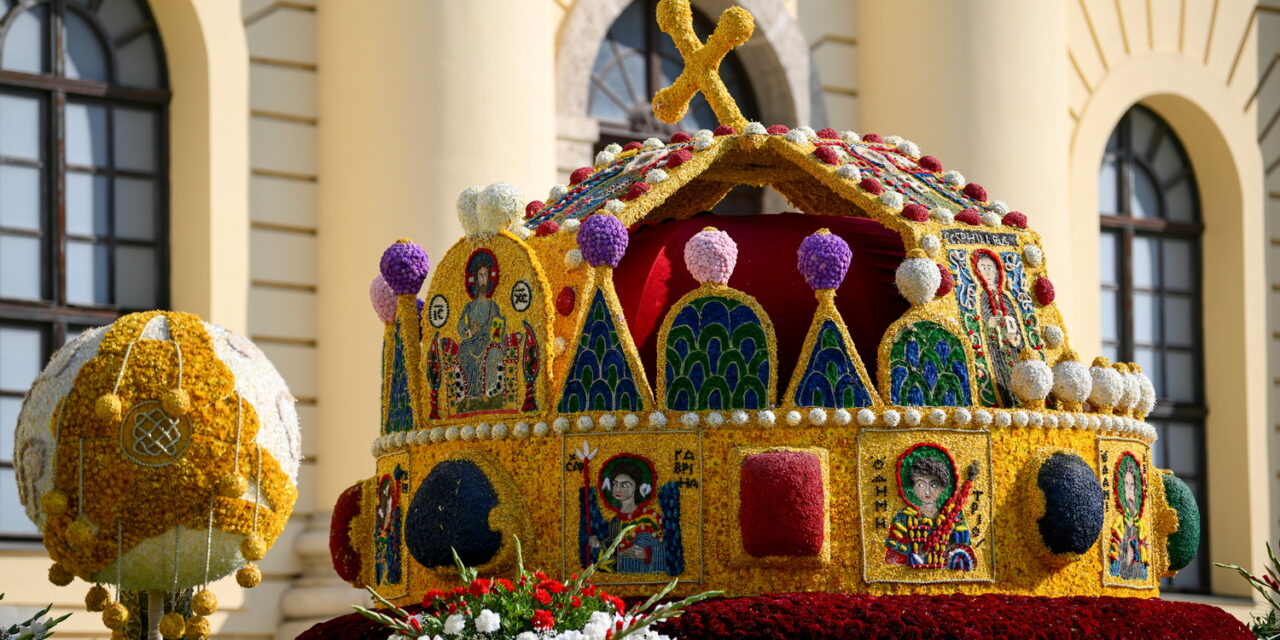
(885, 370)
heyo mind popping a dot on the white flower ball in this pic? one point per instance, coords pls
(796, 136)
(918, 277)
(573, 258)
(817, 416)
(794, 418)
(892, 200)
(911, 417)
(842, 417)
(1072, 381)
(891, 417)
(909, 148)
(1053, 336)
(1032, 380)
(1032, 255)
(849, 172)
(1108, 386)
(467, 212)
(497, 207)
(756, 129)
(954, 178)
(930, 244)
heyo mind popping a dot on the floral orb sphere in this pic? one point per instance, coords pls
(710, 255)
(404, 267)
(150, 485)
(498, 206)
(918, 277)
(823, 259)
(603, 240)
(383, 299)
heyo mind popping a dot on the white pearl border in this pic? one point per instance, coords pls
(890, 417)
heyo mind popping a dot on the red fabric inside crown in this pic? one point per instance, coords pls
(652, 277)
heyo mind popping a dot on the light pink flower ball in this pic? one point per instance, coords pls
(382, 299)
(710, 256)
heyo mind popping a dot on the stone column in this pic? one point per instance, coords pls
(417, 100)
(982, 85)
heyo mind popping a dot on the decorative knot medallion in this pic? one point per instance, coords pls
(153, 438)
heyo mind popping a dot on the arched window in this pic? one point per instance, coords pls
(83, 173)
(1151, 292)
(634, 61)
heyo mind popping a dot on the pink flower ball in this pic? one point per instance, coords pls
(382, 299)
(710, 256)
(778, 129)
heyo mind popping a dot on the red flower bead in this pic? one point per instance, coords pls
(724, 130)
(680, 136)
(930, 163)
(871, 186)
(872, 137)
(532, 208)
(778, 129)
(1044, 291)
(631, 145)
(969, 216)
(547, 228)
(975, 191)
(948, 281)
(565, 300)
(829, 134)
(638, 189)
(1015, 219)
(678, 157)
(579, 174)
(543, 620)
(827, 154)
(915, 212)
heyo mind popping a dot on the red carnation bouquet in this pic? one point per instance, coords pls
(531, 607)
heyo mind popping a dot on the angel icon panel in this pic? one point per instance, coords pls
(926, 509)
(646, 485)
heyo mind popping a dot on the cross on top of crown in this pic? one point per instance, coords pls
(702, 62)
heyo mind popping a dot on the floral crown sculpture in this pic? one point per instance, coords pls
(876, 395)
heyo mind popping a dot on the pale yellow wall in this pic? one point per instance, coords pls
(1196, 70)
(831, 30)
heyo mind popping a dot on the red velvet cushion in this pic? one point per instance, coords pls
(652, 276)
(782, 506)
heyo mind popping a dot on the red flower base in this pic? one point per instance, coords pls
(838, 616)
(823, 616)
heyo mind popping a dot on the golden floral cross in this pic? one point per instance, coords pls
(702, 62)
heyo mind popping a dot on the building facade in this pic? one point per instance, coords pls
(279, 145)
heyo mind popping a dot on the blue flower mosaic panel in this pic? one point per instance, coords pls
(599, 377)
(927, 368)
(830, 377)
(717, 357)
(399, 409)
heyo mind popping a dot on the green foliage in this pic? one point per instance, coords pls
(1266, 626)
(33, 628)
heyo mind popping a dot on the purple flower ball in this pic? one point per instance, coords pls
(823, 258)
(603, 240)
(404, 266)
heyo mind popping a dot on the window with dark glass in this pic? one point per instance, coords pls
(83, 187)
(1151, 292)
(635, 60)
